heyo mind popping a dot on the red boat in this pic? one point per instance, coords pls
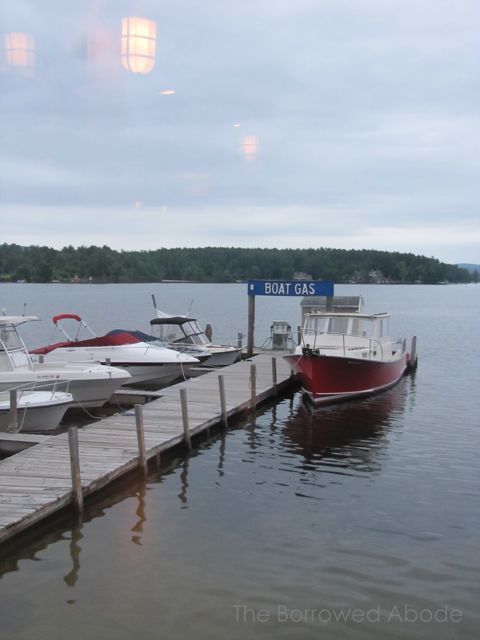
(347, 355)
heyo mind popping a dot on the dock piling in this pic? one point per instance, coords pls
(142, 456)
(413, 353)
(253, 387)
(186, 428)
(274, 376)
(209, 332)
(13, 425)
(77, 493)
(223, 402)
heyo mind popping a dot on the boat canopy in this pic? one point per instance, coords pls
(179, 330)
(140, 335)
(103, 341)
(172, 320)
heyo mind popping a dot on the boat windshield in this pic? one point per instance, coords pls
(185, 333)
(10, 340)
(345, 325)
(194, 333)
(13, 352)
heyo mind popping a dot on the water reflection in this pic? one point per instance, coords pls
(184, 481)
(340, 439)
(140, 513)
(221, 452)
(350, 434)
(71, 529)
(72, 576)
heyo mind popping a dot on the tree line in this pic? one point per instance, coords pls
(220, 264)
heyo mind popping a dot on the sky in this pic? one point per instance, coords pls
(284, 123)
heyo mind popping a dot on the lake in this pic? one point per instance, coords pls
(353, 521)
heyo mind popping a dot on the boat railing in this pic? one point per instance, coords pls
(360, 343)
(54, 386)
(403, 342)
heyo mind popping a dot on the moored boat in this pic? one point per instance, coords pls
(91, 384)
(38, 409)
(184, 334)
(347, 355)
(147, 363)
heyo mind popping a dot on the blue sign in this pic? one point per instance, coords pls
(290, 288)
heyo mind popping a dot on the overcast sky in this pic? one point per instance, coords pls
(294, 123)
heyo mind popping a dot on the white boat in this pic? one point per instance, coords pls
(90, 384)
(184, 333)
(37, 409)
(147, 363)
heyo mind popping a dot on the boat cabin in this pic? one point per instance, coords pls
(353, 334)
(179, 330)
(335, 304)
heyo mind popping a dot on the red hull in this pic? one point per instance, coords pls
(330, 379)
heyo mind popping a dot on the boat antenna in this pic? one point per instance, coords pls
(154, 302)
(190, 307)
(24, 308)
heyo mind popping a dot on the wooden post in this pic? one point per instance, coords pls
(274, 375)
(209, 332)
(142, 456)
(223, 402)
(186, 429)
(251, 325)
(253, 387)
(13, 425)
(299, 334)
(75, 469)
(413, 353)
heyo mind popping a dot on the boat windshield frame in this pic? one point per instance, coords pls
(191, 332)
(373, 326)
(11, 343)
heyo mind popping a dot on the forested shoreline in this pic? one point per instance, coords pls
(220, 264)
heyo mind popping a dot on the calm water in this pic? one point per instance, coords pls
(356, 521)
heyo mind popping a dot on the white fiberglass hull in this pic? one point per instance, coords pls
(160, 374)
(222, 356)
(91, 385)
(145, 363)
(36, 410)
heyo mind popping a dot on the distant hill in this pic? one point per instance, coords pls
(470, 267)
(221, 264)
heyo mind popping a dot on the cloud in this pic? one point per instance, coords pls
(366, 116)
(140, 227)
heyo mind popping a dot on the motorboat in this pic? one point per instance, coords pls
(147, 363)
(184, 334)
(197, 352)
(37, 408)
(345, 355)
(91, 384)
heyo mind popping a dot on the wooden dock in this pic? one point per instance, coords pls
(37, 482)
